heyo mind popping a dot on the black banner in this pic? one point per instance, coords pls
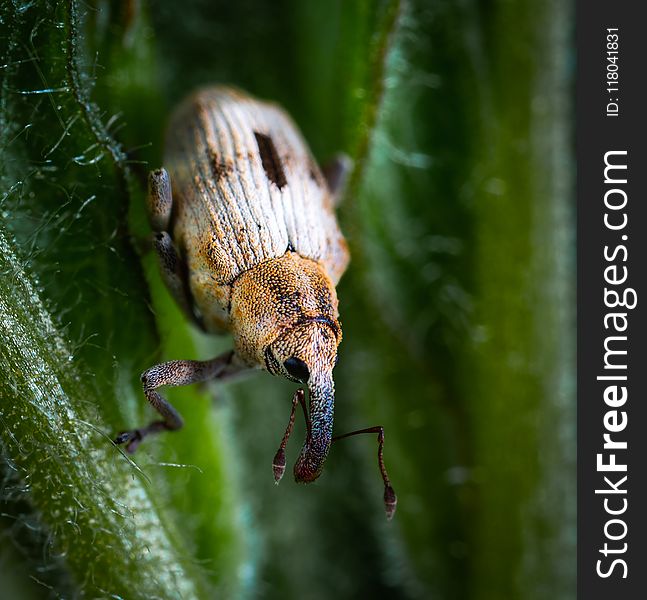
(612, 297)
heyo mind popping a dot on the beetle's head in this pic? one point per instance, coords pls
(307, 353)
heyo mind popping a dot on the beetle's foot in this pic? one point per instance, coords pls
(278, 465)
(132, 439)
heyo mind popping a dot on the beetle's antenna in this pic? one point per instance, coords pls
(390, 499)
(278, 464)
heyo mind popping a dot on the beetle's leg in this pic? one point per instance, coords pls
(176, 373)
(172, 269)
(390, 499)
(278, 464)
(160, 206)
(159, 200)
(337, 173)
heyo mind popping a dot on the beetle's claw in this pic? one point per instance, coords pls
(132, 439)
(122, 437)
(390, 501)
(278, 465)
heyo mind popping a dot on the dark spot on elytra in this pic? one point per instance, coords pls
(270, 160)
(219, 168)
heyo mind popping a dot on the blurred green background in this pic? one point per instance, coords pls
(458, 306)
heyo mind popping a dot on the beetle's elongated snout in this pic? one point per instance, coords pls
(319, 435)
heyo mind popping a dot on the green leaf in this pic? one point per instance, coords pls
(96, 503)
(461, 327)
(78, 330)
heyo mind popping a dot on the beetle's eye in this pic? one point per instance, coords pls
(297, 368)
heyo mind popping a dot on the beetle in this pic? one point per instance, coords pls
(248, 244)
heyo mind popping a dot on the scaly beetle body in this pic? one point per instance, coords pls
(248, 244)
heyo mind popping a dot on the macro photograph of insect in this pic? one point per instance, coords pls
(286, 298)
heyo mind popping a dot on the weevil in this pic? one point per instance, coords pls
(248, 244)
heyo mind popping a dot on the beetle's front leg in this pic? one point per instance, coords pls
(176, 373)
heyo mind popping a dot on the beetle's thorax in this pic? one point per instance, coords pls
(277, 296)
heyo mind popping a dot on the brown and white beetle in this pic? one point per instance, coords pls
(248, 243)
